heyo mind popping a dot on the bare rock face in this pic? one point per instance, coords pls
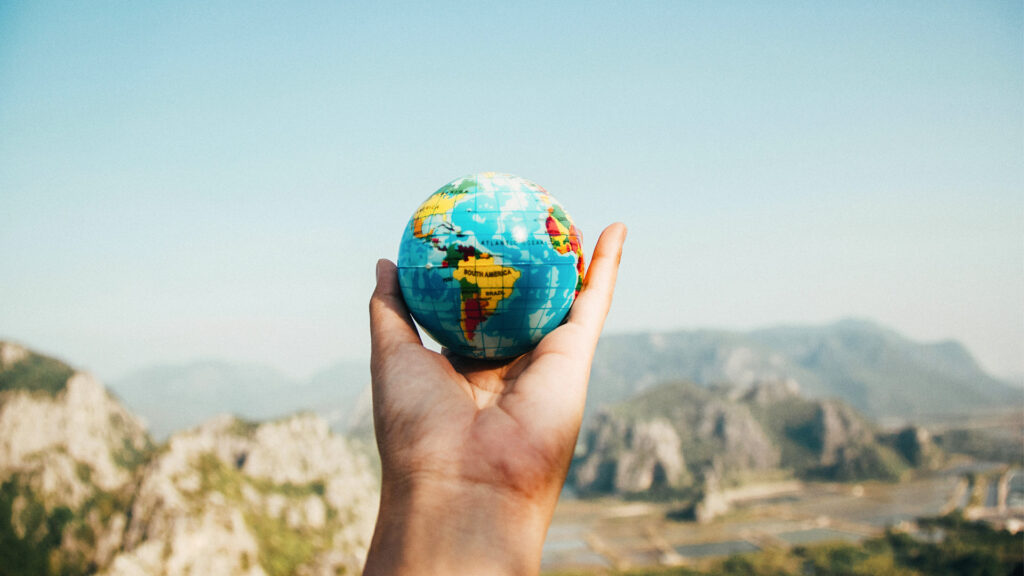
(81, 426)
(744, 443)
(731, 436)
(712, 502)
(230, 497)
(654, 457)
(70, 453)
(631, 457)
(848, 448)
(641, 446)
(10, 354)
(840, 432)
(83, 490)
(915, 444)
(594, 471)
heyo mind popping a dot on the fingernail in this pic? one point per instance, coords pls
(380, 269)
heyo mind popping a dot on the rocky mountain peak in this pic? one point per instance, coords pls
(80, 429)
(83, 490)
(744, 444)
(837, 428)
(917, 446)
(237, 497)
(69, 458)
(11, 354)
(631, 457)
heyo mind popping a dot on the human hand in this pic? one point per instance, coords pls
(474, 453)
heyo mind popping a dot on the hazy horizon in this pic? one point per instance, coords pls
(182, 182)
(312, 371)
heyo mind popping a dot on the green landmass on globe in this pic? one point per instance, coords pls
(489, 264)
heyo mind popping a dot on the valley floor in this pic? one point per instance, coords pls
(613, 534)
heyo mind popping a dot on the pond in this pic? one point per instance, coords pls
(716, 549)
(818, 535)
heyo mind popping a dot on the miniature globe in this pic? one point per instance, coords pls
(489, 264)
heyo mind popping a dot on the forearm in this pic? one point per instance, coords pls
(449, 528)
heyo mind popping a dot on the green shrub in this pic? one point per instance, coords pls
(36, 373)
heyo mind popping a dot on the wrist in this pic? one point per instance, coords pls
(444, 526)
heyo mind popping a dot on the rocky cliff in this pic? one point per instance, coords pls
(84, 490)
(231, 497)
(626, 456)
(69, 460)
(686, 439)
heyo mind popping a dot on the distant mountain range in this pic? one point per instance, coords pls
(874, 369)
(175, 397)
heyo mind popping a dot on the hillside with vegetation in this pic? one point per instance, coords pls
(685, 441)
(84, 490)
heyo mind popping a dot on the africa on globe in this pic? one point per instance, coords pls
(489, 264)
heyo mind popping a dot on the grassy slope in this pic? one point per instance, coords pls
(36, 373)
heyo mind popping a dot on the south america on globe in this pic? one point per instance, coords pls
(489, 264)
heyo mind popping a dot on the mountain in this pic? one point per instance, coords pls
(176, 397)
(686, 429)
(234, 497)
(83, 489)
(874, 369)
(680, 439)
(69, 458)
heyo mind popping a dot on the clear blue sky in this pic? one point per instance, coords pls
(192, 180)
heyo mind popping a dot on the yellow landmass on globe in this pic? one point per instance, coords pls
(439, 204)
(484, 285)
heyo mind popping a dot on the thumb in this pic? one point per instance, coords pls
(390, 323)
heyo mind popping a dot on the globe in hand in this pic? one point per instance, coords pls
(489, 264)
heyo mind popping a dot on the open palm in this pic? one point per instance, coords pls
(508, 426)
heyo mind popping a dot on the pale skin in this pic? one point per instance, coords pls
(474, 453)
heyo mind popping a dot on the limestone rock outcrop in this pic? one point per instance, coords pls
(916, 445)
(838, 431)
(232, 497)
(743, 443)
(84, 490)
(69, 452)
(729, 436)
(632, 457)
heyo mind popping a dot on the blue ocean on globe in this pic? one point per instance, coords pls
(489, 264)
